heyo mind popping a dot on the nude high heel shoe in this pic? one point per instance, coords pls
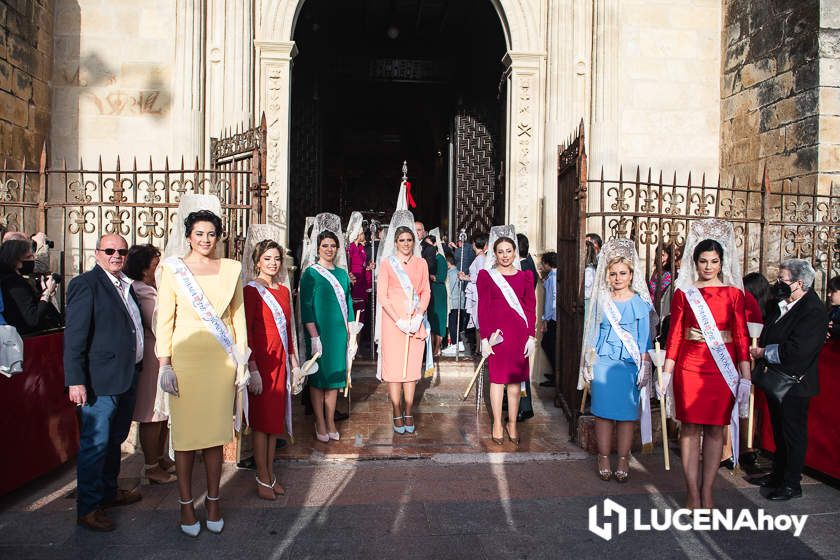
(604, 474)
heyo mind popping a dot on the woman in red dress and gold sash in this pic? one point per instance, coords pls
(707, 352)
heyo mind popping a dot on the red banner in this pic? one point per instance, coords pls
(39, 427)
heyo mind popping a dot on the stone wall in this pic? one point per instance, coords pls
(655, 86)
(769, 91)
(112, 77)
(26, 28)
(829, 103)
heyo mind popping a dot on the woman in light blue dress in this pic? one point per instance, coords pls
(610, 367)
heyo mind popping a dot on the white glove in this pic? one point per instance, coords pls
(587, 373)
(643, 377)
(255, 385)
(297, 381)
(666, 381)
(351, 351)
(404, 325)
(486, 349)
(167, 380)
(354, 327)
(744, 386)
(530, 347)
(416, 321)
(316, 345)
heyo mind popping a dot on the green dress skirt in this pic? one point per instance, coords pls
(319, 305)
(438, 309)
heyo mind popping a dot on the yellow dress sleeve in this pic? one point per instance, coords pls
(165, 321)
(237, 311)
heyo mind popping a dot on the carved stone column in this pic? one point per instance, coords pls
(525, 131)
(604, 139)
(188, 80)
(229, 65)
(274, 98)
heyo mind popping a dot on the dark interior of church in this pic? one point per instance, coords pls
(379, 82)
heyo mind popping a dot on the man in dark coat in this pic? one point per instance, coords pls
(428, 250)
(103, 353)
(793, 336)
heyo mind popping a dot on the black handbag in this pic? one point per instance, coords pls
(776, 383)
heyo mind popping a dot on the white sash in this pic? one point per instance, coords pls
(214, 324)
(614, 317)
(413, 304)
(338, 289)
(714, 341)
(507, 291)
(713, 338)
(280, 322)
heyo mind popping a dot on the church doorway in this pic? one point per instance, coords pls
(379, 82)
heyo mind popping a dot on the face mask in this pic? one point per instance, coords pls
(27, 267)
(781, 290)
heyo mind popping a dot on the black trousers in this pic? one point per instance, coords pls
(790, 432)
(456, 332)
(549, 344)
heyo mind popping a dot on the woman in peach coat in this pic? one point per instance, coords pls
(403, 293)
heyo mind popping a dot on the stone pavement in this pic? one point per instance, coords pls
(445, 423)
(417, 499)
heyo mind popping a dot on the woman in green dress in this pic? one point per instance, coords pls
(326, 308)
(439, 308)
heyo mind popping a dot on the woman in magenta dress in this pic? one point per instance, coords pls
(357, 261)
(506, 303)
(703, 398)
(269, 413)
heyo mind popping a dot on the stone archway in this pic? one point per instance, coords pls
(526, 115)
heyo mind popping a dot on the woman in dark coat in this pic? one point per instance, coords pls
(25, 308)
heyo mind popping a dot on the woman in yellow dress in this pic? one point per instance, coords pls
(202, 348)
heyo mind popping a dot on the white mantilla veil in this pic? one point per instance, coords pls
(354, 226)
(438, 241)
(327, 222)
(176, 244)
(614, 248)
(307, 233)
(387, 248)
(495, 233)
(722, 232)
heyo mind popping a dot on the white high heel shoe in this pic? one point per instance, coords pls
(215, 526)
(190, 530)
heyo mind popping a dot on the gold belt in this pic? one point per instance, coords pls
(696, 335)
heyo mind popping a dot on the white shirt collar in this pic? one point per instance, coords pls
(120, 279)
(785, 306)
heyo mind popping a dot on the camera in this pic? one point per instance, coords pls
(38, 278)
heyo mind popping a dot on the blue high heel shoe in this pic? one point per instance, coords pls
(399, 429)
(215, 526)
(409, 429)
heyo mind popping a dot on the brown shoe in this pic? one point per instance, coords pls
(123, 498)
(96, 521)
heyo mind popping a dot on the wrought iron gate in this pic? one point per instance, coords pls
(75, 207)
(571, 221)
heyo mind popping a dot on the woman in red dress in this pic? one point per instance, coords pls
(508, 362)
(269, 413)
(703, 398)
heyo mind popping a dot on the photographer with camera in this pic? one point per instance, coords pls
(26, 308)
